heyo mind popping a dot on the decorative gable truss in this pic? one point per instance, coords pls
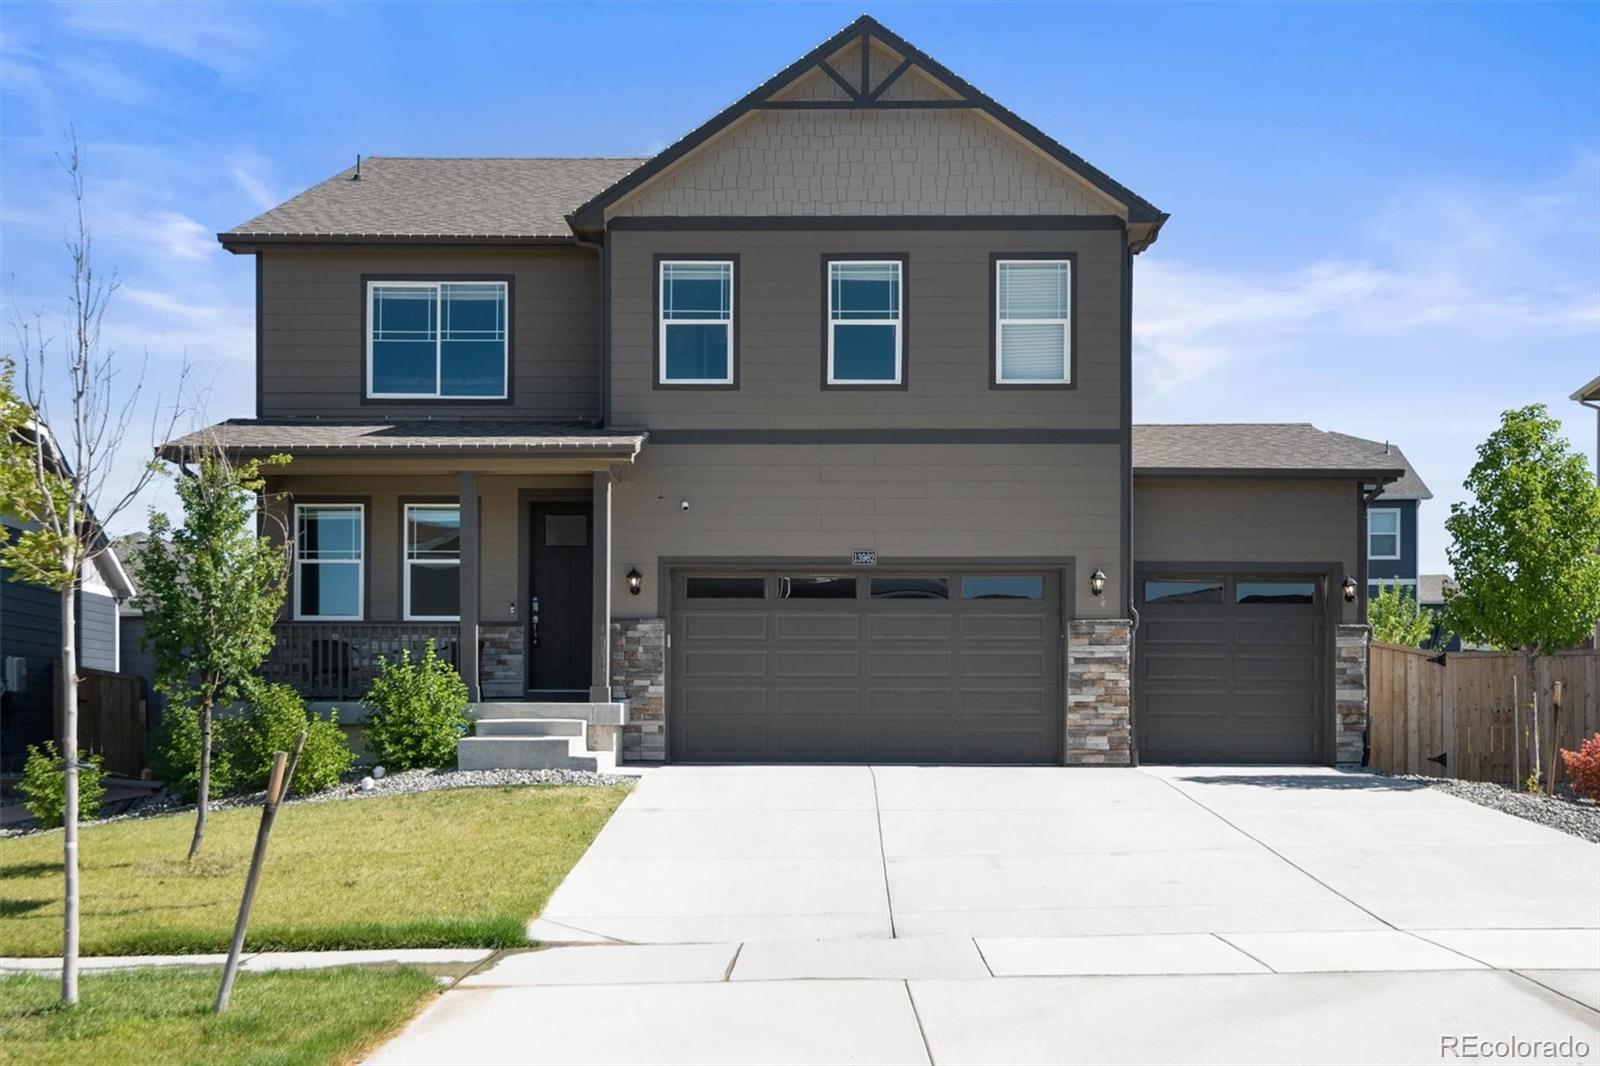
(868, 125)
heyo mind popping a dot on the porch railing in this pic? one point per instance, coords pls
(338, 660)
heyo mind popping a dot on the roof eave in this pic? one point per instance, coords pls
(237, 242)
(1341, 473)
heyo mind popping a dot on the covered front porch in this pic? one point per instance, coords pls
(489, 539)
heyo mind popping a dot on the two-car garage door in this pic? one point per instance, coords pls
(1230, 667)
(935, 665)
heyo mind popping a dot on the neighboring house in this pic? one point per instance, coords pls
(808, 438)
(1392, 523)
(1432, 591)
(30, 645)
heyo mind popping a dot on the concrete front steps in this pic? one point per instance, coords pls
(519, 735)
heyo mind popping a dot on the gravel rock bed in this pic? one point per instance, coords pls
(1579, 817)
(397, 784)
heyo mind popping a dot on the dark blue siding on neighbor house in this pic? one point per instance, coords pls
(1406, 565)
(30, 627)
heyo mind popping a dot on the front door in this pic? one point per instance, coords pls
(561, 581)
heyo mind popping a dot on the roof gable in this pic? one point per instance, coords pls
(867, 68)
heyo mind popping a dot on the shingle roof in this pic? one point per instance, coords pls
(1431, 588)
(1290, 448)
(512, 436)
(439, 199)
(1410, 486)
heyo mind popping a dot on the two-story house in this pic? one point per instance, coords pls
(808, 438)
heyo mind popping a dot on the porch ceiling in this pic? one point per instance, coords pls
(415, 445)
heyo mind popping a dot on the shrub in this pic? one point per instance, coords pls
(271, 722)
(44, 785)
(177, 757)
(1583, 767)
(418, 710)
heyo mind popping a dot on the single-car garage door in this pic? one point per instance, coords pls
(940, 666)
(1231, 668)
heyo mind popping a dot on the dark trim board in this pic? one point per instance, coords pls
(1333, 615)
(1065, 565)
(885, 436)
(713, 223)
(1069, 385)
(510, 397)
(656, 378)
(868, 105)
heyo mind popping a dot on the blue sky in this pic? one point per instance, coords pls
(1386, 219)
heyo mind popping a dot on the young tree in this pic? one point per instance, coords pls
(64, 495)
(210, 591)
(1524, 551)
(1397, 618)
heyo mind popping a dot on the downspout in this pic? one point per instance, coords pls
(603, 384)
(1128, 584)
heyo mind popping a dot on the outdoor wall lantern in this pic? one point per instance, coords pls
(1097, 582)
(635, 579)
(1349, 587)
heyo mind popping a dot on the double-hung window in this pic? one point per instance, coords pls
(866, 320)
(329, 564)
(430, 340)
(1033, 322)
(695, 337)
(1383, 533)
(433, 562)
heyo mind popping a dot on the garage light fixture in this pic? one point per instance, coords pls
(1349, 587)
(635, 579)
(1097, 582)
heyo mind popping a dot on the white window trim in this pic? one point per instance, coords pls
(360, 563)
(1064, 322)
(408, 563)
(1399, 524)
(899, 347)
(662, 321)
(438, 341)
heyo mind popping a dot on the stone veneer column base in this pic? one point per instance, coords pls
(1099, 693)
(500, 660)
(639, 668)
(1350, 693)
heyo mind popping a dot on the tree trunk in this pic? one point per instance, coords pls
(69, 812)
(204, 798)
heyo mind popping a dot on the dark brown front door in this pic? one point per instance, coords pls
(560, 580)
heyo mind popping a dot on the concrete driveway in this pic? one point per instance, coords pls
(986, 914)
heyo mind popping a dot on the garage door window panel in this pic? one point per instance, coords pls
(910, 588)
(809, 587)
(725, 588)
(1275, 592)
(1002, 587)
(1174, 593)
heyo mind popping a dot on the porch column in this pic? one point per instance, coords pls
(600, 657)
(468, 644)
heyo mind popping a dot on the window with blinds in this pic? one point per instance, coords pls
(1033, 323)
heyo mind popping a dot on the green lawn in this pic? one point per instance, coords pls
(458, 868)
(164, 1016)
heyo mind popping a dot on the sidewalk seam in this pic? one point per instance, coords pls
(883, 854)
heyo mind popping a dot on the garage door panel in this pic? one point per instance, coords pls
(819, 662)
(1200, 630)
(729, 626)
(1296, 666)
(910, 626)
(890, 678)
(724, 662)
(1275, 632)
(815, 625)
(1187, 665)
(1282, 711)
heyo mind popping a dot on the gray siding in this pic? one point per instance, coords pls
(1246, 520)
(97, 636)
(781, 341)
(313, 351)
(907, 502)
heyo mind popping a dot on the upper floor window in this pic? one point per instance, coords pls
(437, 340)
(433, 562)
(696, 331)
(866, 322)
(1033, 322)
(329, 561)
(1383, 533)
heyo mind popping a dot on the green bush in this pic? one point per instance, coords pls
(271, 722)
(177, 757)
(44, 785)
(418, 710)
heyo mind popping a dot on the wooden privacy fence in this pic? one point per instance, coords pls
(111, 717)
(1456, 719)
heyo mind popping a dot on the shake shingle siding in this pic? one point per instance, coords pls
(314, 348)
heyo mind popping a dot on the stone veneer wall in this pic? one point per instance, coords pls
(1099, 692)
(1350, 693)
(639, 669)
(500, 660)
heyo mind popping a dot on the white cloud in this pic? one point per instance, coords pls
(218, 36)
(96, 73)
